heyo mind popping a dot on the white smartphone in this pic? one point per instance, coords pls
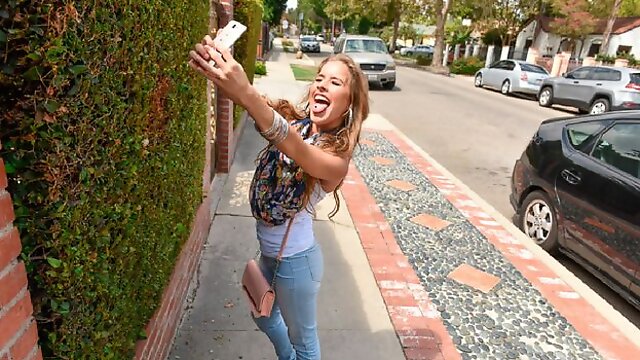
(230, 34)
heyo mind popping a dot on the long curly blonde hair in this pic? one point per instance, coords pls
(343, 141)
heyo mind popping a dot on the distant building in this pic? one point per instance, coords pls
(624, 38)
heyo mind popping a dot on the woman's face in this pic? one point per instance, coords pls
(329, 95)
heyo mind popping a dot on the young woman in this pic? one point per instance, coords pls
(307, 157)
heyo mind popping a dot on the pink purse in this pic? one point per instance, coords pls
(261, 294)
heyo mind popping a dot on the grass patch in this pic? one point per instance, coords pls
(303, 72)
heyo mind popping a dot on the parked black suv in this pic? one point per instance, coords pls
(576, 189)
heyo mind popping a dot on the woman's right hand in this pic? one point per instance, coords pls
(218, 65)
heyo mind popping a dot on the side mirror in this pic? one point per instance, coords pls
(564, 75)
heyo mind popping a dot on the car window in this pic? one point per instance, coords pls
(533, 68)
(607, 74)
(620, 148)
(580, 74)
(579, 133)
(509, 65)
(635, 78)
(365, 45)
(497, 65)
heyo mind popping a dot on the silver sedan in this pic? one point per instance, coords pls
(512, 76)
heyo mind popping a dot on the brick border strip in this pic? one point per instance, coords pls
(162, 327)
(594, 327)
(415, 319)
(18, 329)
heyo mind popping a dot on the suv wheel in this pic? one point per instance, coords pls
(546, 97)
(389, 85)
(599, 106)
(537, 219)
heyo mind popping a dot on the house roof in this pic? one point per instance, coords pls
(621, 25)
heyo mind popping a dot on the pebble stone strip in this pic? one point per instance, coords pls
(510, 320)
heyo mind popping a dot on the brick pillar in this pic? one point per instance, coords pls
(224, 109)
(18, 330)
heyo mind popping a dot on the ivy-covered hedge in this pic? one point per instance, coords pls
(103, 133)
(249, 13)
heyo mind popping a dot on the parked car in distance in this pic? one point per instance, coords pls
(308, 43)
(593, 89)
(512, 76)
(370, 53)
(417, 50)
(576, 189)
(320, 38)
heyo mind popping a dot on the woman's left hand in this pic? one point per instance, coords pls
(222, 69)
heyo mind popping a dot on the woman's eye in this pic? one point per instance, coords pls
(318, 79)
(336, 83)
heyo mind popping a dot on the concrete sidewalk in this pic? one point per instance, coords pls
(353, 321)
(417, 266)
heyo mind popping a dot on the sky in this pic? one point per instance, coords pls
(292, 4)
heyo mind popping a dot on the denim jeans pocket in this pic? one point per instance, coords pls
(316, 266)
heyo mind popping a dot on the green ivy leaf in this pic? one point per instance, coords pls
(55, 263)
(9, 168)
(3, 36)
(64, 307)
(51, 106)
(78, 69)
(32, 56)
(32, 74)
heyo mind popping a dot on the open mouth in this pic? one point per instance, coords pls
(320, 104)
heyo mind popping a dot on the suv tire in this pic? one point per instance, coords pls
(599, 106)
(389, 85)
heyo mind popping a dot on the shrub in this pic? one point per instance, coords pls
(466, 66)
(287, 43)
(606, 59)
(249, 13)
(261, 68)
(103, 140)
(424, 60)
(627, 56)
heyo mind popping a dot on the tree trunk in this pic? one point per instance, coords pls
(442, 9)
(609, 29)
(396, 25)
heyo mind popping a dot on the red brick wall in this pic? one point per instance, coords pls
(18, 331)
(224, 110)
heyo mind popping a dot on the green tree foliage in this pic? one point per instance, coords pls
(103, 134)
(273, 10)
(574, 20)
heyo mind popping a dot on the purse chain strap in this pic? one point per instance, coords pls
(279, 258)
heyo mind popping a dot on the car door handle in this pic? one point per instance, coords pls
(599, 84)
(576, 82)
(570, 177)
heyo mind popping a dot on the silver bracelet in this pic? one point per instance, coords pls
(278, 131)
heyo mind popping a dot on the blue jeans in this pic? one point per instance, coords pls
(292, 326)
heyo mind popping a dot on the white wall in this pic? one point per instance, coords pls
(525, 34)
(630, 38)
(545, 40)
